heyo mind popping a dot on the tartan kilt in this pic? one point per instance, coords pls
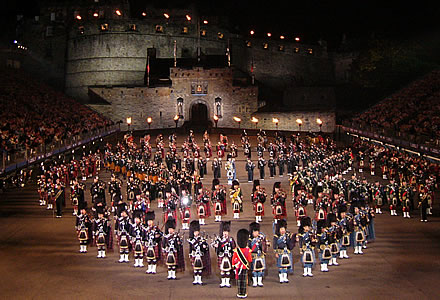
(283, 212)
(223, 210)
(255, 209)
(206, 264)
(124, 170)
(112, 166)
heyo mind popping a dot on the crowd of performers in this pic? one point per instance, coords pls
(162, 181)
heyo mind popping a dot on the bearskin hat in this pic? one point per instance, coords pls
(150, 215)
(320, 225)
(224, 226)
(342, 208)
(215, 182)
(331, 217)
(276, 185)
(235, 182)
(280, 224)
(193, 226)
(256, 183)
(306, 221)
(167, 188)
(137, 214)
(83, 205)
(171, 223)
(100, 210)
(254, 226)
(242, 238)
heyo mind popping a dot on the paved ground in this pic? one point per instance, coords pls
(39, 259)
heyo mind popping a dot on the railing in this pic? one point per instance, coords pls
(420, 143)
(21, 157)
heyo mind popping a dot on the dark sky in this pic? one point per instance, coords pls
(310, 19)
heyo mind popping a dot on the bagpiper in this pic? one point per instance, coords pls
(153, 237)
(359, 230)
(198, 253)
(346, 225)
(203, 206)
(236, 196)
(137, 233)
(278, 202)
(101, 233)
(224, 246)
(307, 240)
(258, 197)
(325, 253)
(283, 243)
(122, 230)
(83, 226)
(335, 235)
(258, 245)
(173, 249)
(218, 199)
(185, 209)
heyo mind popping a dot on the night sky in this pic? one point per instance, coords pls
(310, 19)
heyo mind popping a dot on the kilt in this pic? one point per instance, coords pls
(256, 205)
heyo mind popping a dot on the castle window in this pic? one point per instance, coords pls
(199, 88)
(49, 31)
(133, 27)
(81, 30)
(248, 44)
(265, 46)
(296, 50)
(220, 35)
(180, 107)
(281, 47)
(184, 30)
(104, 27)
(203, 32)
(159, 29)
(218, 106)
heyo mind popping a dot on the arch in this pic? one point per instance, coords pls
(199, 112)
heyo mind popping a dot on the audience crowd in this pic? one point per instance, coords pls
(32, 114)
(413, 110)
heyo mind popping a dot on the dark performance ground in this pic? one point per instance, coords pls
(39, 258)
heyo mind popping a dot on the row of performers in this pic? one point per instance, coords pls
(330, 238)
